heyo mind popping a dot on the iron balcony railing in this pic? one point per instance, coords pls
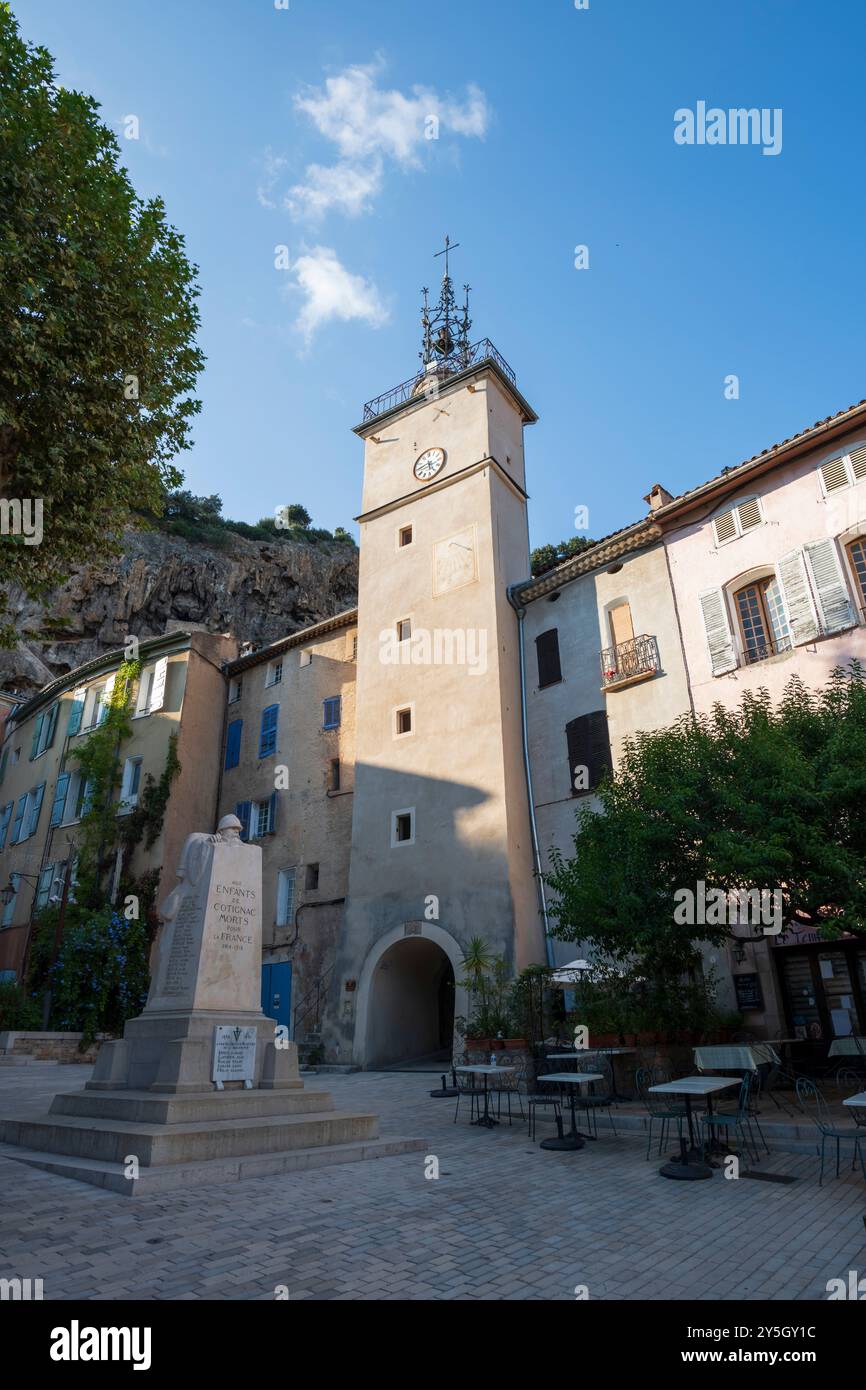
(630, 661)
(763, 650)
(482, 351)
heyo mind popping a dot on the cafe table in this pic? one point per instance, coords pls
(858, 1101)
(690, 1166)
(575, 1137)
(596, 1052)
(486, 1120)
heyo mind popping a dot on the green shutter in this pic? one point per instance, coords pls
(37, 730)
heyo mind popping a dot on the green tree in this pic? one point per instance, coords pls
(546, 556)
(98, 318)
(755, 798)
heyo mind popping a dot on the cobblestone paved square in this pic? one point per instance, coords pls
(504, 1220)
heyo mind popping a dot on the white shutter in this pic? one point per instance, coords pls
(794, 583)
(858, 462)
(725, 527)
(834, 474)
(831, 591)
(749, 514)
(157, 689)
(719, 638)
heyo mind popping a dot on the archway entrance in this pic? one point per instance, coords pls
(411, 1007)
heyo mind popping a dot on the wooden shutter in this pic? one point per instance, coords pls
(858, 462)
(59, 802)
(749, 514)
(794, 582)
(76, 712)
(831, 591)
(19, 818)
(834, 474)
(588, 745)
(35, 809)
(37, 731)
(720, 640)
(621, 626)
(3, 761)
(233, 743)
(725, 527)
(547, 652)
(242, 811)
(268, 732)
(5, 817)
(156, 699)
(272, 813)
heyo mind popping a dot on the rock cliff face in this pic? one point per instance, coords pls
(256, 590)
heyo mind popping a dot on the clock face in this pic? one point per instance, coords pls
(427, 465)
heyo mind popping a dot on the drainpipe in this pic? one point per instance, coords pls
(542, 897)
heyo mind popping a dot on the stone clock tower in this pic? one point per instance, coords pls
(441, 844)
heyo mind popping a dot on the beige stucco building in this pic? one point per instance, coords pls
(42, 794)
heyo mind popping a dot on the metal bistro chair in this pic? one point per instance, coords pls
(814, 1105)
(661, 1108)
(540, 1099)
(739, 1120)
(590, 1102)
(509, 1086)
(468, 1085)
(850, 1083)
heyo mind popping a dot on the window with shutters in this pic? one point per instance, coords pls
(331, 713)
(763, 621)
(236, 686)
(735, 521)
(857, 557)
(5, 818)
(628, 659)
(233, 743)
(261, 817)
(589, 757)
(129, 786)
(43, 731)
(547, 654)
(268, 732)
(285, 897)
(844, 470)
(9, 909)
(274, 673)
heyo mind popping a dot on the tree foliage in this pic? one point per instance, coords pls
(98, 319)
(754, 798)
(546, 556)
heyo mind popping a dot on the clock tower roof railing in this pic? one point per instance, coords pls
(441, 371)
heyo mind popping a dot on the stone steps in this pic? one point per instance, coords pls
(159, 1109)
(111, 1176)
(112, 1140)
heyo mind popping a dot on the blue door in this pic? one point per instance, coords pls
(277, 992)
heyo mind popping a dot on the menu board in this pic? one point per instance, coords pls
(749, 995)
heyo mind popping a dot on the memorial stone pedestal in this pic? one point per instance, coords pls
(202, 1086)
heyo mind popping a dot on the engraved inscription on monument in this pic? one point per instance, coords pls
(234, 1055)
(183, 961)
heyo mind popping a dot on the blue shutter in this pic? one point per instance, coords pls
(76, 712)
(5, 817)
(233, 743)
(242, 811)
(35, 809)
(268, 735)
(59, 802)
(272, 813)
(3, 761)
(19, 817)
(37, 730)
(52, 723)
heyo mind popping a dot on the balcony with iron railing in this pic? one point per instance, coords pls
(629, 662)
(458, 361)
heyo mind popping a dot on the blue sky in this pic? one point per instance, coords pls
(556, 130)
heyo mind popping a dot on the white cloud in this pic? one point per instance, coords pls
(345, 186)
(332, 292)
(370, 125)
(272, 167)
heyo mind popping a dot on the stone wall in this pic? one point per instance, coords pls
(49, 1047)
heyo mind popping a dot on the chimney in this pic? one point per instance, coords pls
(658, 497)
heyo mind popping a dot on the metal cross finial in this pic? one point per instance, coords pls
(449, 246)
